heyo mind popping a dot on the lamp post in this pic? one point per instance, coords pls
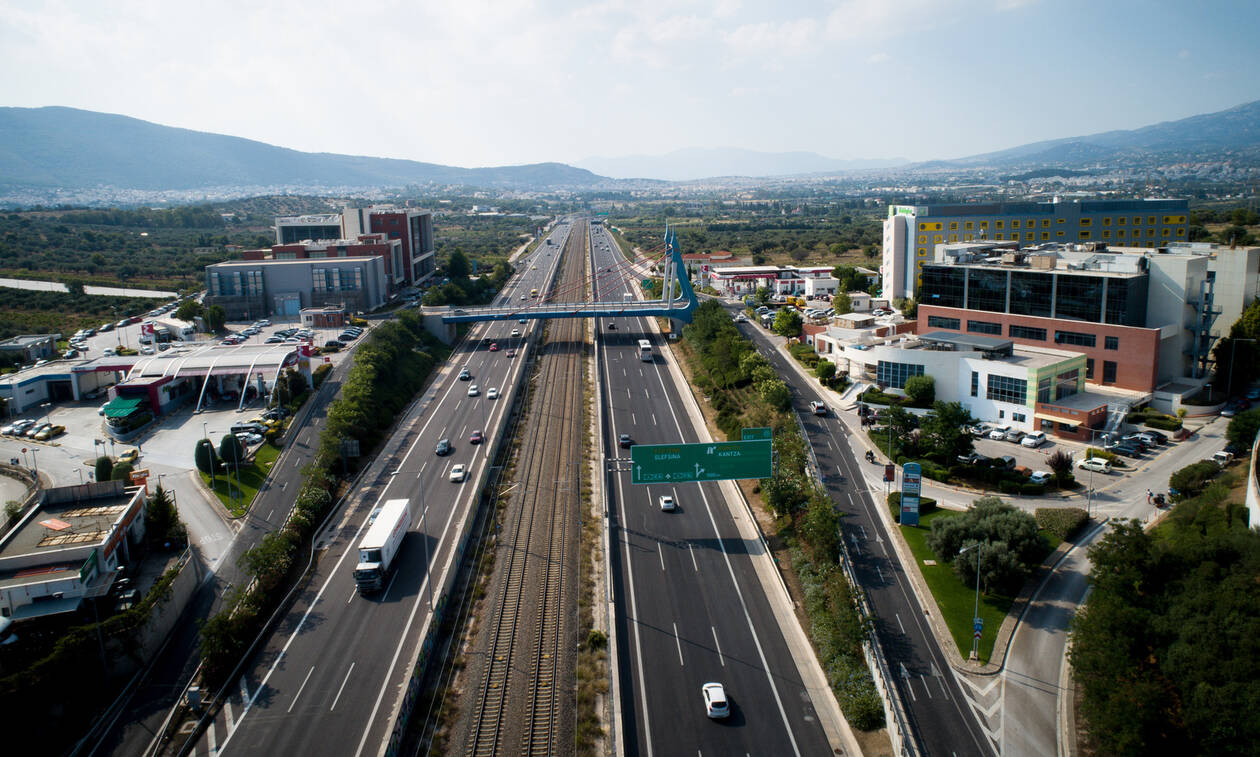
(975, 637)
(35, 460)
(1089, 498)
(1229, 381)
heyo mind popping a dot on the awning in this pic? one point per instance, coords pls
(121, 407)
(1044, 416)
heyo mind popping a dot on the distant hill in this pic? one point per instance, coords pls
(1232, 131)
(703, 163)
(71, 148)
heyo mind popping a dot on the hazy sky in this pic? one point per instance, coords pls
(493, 82)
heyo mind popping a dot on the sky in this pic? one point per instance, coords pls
(502, 82)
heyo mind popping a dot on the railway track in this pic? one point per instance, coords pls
(517, 708)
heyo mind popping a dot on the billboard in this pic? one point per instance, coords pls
(911, 488)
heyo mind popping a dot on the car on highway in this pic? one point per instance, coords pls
(516, 333)
(818, 408)
(443, 447)
(1096, 464)
(130, 456)
(666, 503)
(522, 321)
(716, 705)
(624, 440)
(476, 437)
(492, 393)
(474, 391)
(494, 346)
(458, 472)
(1035, 439)
(511, 353)
(1040, 477)
(524, 297)
(464, 375)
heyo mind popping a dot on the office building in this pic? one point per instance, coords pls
(294, 229)
(411, 228)
(258, 288)
(912, 231)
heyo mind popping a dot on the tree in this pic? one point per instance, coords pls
(787, 322)
(204, 457)
(989, 520)
(776, 393)
(921, 390)
(188, 310)
(945, 430)
(762, 295)
(826, 371)
(161, 519)
(820, 529)
(104, 467)
(903, 423)
(215, 317)
(1193, 479)
(121, 472)
(785, 492)
(1237, 360)
(1061, 464)
(458, 268)
(842, 302)
(908, 307)
(231, 451)
(850, 278)
(1242, 428)
(269, 562)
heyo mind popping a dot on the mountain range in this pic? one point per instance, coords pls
(58, 148)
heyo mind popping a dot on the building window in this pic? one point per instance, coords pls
(1121, 220)
(1075, 338)
(1014, 224)
(1089, 368)
(1026, 332)
(1079, 297)
(923, 227)
(936, 237)
(986, 290)
(1030, 293)
(1045, 223)
(943, 286)
(940, 322)
(1058, 233)
(1030, 223)
(1087, 222)
(1165, 232)
(894, 375)
(1065, 383)
(1150, 232)
(984, 327)
(1111, 343)
(1045, 236)
(1137, 220)
(923, 239)
(953, 237)
(953, 226)
(1007, 389)
(999, 225)
(968, 226)
(1106, 235)
(1109, 372)
(1029, 236)
(1019, 417)
(1106, 222)
(1045, 389)
(923, 252)
(1150, 220)
(1084, 235)
(975, 384)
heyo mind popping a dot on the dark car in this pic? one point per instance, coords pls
(612, 326)
(334, 343)
(464, 375)
(347, 336)
(1128, 449)
(476, 437)
(443, 447)
(975, 458)
(624, 440)
(1006, 461)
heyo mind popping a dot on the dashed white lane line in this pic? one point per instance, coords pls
(343, 687)
(301, 688)
(660, 553)
(718, 645)
(678, 643)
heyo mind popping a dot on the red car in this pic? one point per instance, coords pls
(476, 438)
(494, 346)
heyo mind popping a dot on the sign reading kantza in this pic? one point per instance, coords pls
(717, 461)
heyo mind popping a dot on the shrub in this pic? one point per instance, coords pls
(1192, 479)
(926, 504)
(921, 391)
(1110, 457)
(1007, 486)
(1063, 522)
(1030, 489)
(989, 520)
(1164, 423)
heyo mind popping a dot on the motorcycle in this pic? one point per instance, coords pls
(870, 456)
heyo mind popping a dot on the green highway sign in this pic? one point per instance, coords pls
(717, 461)
(752, 434)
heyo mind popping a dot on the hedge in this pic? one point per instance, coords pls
(1110, 457)
(1060, 521)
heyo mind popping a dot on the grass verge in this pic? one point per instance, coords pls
(237, 497)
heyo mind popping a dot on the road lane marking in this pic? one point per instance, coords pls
(350, 598)
(214, 747)
(716, 643)
(926, 689)
(678, 643)
(661, 554)
(343, 687)
(694, 564)
(899, 625)
(231, 721)
(633, 421)
(301, 688)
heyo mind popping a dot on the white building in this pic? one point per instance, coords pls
(746, 279)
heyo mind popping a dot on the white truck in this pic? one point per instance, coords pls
(379, 549)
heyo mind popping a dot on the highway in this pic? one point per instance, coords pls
(690, 607)
(329, 678)
(939, 714)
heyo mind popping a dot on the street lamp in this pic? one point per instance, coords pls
(1229, 381)
(976, 621)
(35, 461)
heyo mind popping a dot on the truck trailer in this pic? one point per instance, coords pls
(378, 552)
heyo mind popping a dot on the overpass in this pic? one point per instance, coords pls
(677, 301)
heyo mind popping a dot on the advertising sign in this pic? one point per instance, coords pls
(911, 487)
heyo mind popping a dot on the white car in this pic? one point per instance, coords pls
(999, 433)
(516, 333)
(474, 390)
(458, 473)
(1035, 439)
(492, 393)
(1040, 477)
(715, 703)
(1096, 464)
(667, 503)
(147, 350)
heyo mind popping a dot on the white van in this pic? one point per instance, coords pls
(249, 428)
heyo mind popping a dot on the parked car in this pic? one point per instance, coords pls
(975, 458)
(1127, 449)
(1040, 477)
(49, 433)
(248, 438)
(1152, 438)
(1006, 461)
(334, 344)
(1035, 439)
(980, 430)
(458, 472)
(31, 432)
(1014, 435)
(17, 428)
(999, 433)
